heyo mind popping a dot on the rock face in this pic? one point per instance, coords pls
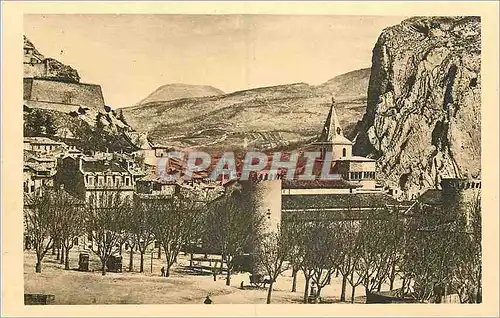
(423, 116)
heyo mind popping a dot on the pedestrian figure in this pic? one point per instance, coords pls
(207, 301)
(162, 271)
(214, 273)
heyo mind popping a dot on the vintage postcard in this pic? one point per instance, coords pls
(286, 158)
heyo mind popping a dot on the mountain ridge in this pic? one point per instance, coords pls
(267, 117)
(173, 91)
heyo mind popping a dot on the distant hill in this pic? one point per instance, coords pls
(274, 117)
(177, 91)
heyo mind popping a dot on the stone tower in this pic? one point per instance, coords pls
(459, 194)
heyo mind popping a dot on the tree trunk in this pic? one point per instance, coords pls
(353, 288)
(392, 277)
(306, 289)
(63, 249)
(269, 291)
(131, 260)
(38, 266)
(352, 294)
(403, 286)
(294, 281)
(479, 295)
(167, 272)
(228, 277)
(316, 297)
(66, 260)
(53, 249)
(159, 251)
(344, 285)
(103, 268)
(57, 254)
(141, 269)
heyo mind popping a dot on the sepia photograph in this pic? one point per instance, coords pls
(251, 159)
(266, 159)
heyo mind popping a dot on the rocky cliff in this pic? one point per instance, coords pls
(37, 65)
(423, 116)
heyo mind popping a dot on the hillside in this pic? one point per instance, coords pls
(177, 91)
(423, 118)
(262, 118)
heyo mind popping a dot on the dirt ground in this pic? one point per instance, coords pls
(182, 287)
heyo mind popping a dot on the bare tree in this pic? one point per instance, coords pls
(141, 226)
(432, 252)
(106, 219)
(43, 212)
(72, 224)
(376, 248)
(348, 235)
(233, 225)
(173, 220)
(321, 244)
(273, 250)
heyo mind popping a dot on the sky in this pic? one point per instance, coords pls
(132, 55)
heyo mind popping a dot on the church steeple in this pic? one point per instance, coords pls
(332, 129)
(332, 137)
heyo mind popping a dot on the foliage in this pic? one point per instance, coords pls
(38, 123)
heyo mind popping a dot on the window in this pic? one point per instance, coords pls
(344, 152)
(127, 181)
(118, 181)
(338, 131)
(110, 181)
(100, 181)
(91, 180)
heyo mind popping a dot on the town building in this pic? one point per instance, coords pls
(84, 177)
(43, 145)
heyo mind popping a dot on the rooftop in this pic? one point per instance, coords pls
(333, 201)
(357, 158)
(102, 166)
(41, 140)
(315, 184)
